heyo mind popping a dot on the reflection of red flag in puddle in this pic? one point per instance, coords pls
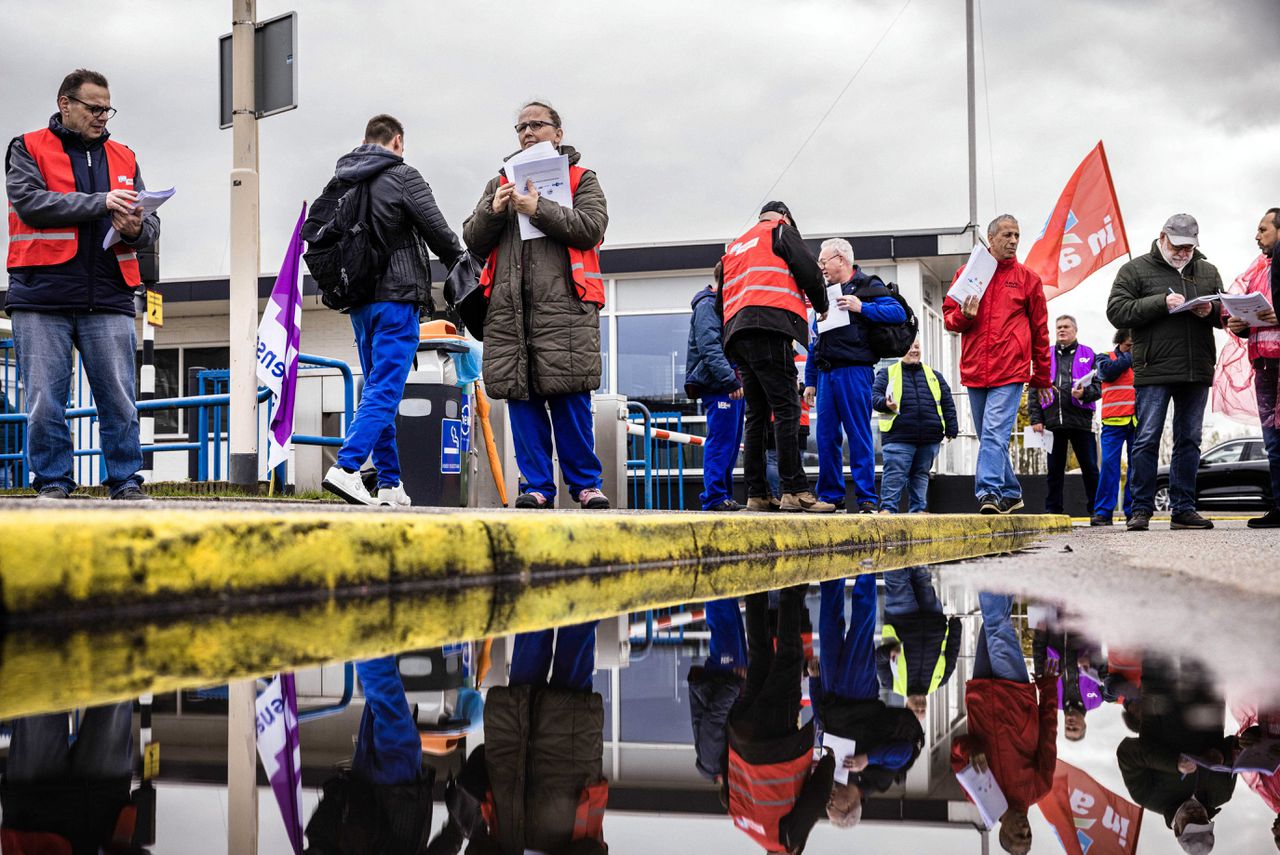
(1085, 231)
(1088, 818)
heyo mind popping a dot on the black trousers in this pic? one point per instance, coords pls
(1085, 443)
(767, 363)
(769, 705)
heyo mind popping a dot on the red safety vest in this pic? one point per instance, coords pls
(1118, 396)
(32, 247)
(588, 819)
(760, 796)
(755, 276)
(584, 265)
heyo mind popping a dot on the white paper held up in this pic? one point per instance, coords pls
(148, 201)
(841, 748)
(549, 172)
(975, 277)
(985, 794)
(1191, 304)
(836, 316)
(1246, 307)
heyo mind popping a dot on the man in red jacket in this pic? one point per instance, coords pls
(1004, 342)
(1011, 731)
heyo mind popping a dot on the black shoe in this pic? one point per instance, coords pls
(1271, 519)
(1010, 504)
(532, 500)
(1189, 519)
(1140, 521)
(1100, 520)
(53, 493)
(130, 493)
(988, 504)
(727, 506)
(864, 508)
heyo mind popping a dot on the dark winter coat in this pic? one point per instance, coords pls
(707, 370)
(1064, 412)
(1167, 348)
(91, 281)
(917, 422)
(925, 639)
(711, 696)
(873, 725)
(539, 337)
(405, 216)
(851, 344)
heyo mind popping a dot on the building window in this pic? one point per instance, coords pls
(172, 366)
(651, 356)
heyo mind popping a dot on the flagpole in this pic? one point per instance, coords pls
(973, 121)
(1115, 199)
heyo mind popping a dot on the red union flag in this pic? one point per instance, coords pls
(1088, 818)
(1084, 232)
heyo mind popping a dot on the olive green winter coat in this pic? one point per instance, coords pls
(539, 337)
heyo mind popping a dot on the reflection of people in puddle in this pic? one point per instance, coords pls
(1256, 725)
(888, 740)
(919, 644)
(1013, 723)
(384, 804)
(1122, 684)
(70, 797)
(770, 792)
(1181, 718)
(537, 783)
(714, 686)
(1079, 685)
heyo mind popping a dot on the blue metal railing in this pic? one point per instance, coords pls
(645, 461)
(661, 461)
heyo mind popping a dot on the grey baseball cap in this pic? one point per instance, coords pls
(1182, 230)
(1197, 839)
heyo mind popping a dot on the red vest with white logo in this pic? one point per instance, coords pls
(1117, 396)
(755, 276)
(584, 265)
(761, 795)
(32, 247)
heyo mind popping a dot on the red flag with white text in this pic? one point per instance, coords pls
(1085, 231)
(1089, 818)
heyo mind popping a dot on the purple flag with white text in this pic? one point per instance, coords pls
(279, 339)
(281, 753)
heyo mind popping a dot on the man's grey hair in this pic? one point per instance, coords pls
(839, 246)
(1071, 318)
(995, 224)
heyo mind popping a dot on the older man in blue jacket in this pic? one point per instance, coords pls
(710, 376)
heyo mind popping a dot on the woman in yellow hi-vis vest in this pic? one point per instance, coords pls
(918, 413)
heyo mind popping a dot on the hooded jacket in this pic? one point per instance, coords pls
(540, 338)
(1008, 340)
(1167, 348)
(707, 370)
(405, 216)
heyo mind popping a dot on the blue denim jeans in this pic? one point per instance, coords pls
(386, 341)
(848, 661)
(1152, 403)
(388, 748)
(1114, 440)
(999, 653)
(910, 591)
(107, 344)
(573, 653)
(906, 466)
(995, 412)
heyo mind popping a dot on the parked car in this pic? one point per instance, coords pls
(1232, 475)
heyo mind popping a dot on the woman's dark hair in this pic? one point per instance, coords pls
(1121, 336)
(555, 117)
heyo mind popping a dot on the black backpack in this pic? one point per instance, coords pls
(890, 341)
(343, 254)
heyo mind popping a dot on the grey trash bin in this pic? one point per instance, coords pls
(433, 431)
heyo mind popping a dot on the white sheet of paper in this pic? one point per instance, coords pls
(985, 793)
(549, 172)
(1085, 380)
(1191, 304)
(149, 200)
(836, 317)
(1246, 307)
(1036, 439)
(975, 277)
(841, 748)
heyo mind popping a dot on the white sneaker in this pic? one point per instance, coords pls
(394, 496)
(347, 486)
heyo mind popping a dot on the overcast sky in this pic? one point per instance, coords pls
(690, 111)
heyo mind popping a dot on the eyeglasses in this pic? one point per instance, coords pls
(535, 125)
(96, 109)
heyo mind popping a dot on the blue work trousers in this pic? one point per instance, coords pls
(844, 403)
(572, 651)
(388, 748)
(848, 660)
(724, 437)
(1152, 403)
(571, 422)
(728, 636)
(1115, 439)
(995, 413)
(999, 653)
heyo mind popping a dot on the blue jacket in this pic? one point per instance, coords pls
(1109, 370)
(917, 422)
(707, 370)
(848, 345)
(92, 281)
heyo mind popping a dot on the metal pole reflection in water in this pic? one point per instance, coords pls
(242, 768)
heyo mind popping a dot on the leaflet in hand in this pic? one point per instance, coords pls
(1042, 440)
(1083, 382)
(985, 794)
(1198, 301)
(836, 316)
(549, 172)
(1246, 307)
(1262, 757)
(975, 277)
(148, 201)
(842, 748)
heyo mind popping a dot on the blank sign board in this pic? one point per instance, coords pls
(275, 49)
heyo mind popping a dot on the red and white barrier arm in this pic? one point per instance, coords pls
(637, 429)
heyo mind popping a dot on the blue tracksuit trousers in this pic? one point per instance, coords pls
(724, 437)
(570, 420)
(844, 403)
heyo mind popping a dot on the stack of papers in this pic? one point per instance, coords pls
(148, 201)
(1263, 757)
(836, 316)
(549, 172)
(1191, 304)
(975, 277)
(985, 793)
(1246, 307)
(842, 748)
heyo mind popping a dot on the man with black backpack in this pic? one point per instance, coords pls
(365, 236)
(840, 373)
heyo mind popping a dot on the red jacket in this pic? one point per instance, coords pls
(1018, 735)
(1010, 333)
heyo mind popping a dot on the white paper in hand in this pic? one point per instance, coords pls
(975, 277)
(836, 316)
(549, 172)
(1246, 307)
(149, 201)
(1042, 440)
(985, 794)
(1191, 304)
(842, 748)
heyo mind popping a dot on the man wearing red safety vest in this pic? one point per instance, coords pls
(68, 184)
(1119, 426)
(767, 273)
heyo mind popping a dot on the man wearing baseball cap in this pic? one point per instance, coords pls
(1173, 360)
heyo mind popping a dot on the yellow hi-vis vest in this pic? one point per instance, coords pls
(895, 389)
(888, 633)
